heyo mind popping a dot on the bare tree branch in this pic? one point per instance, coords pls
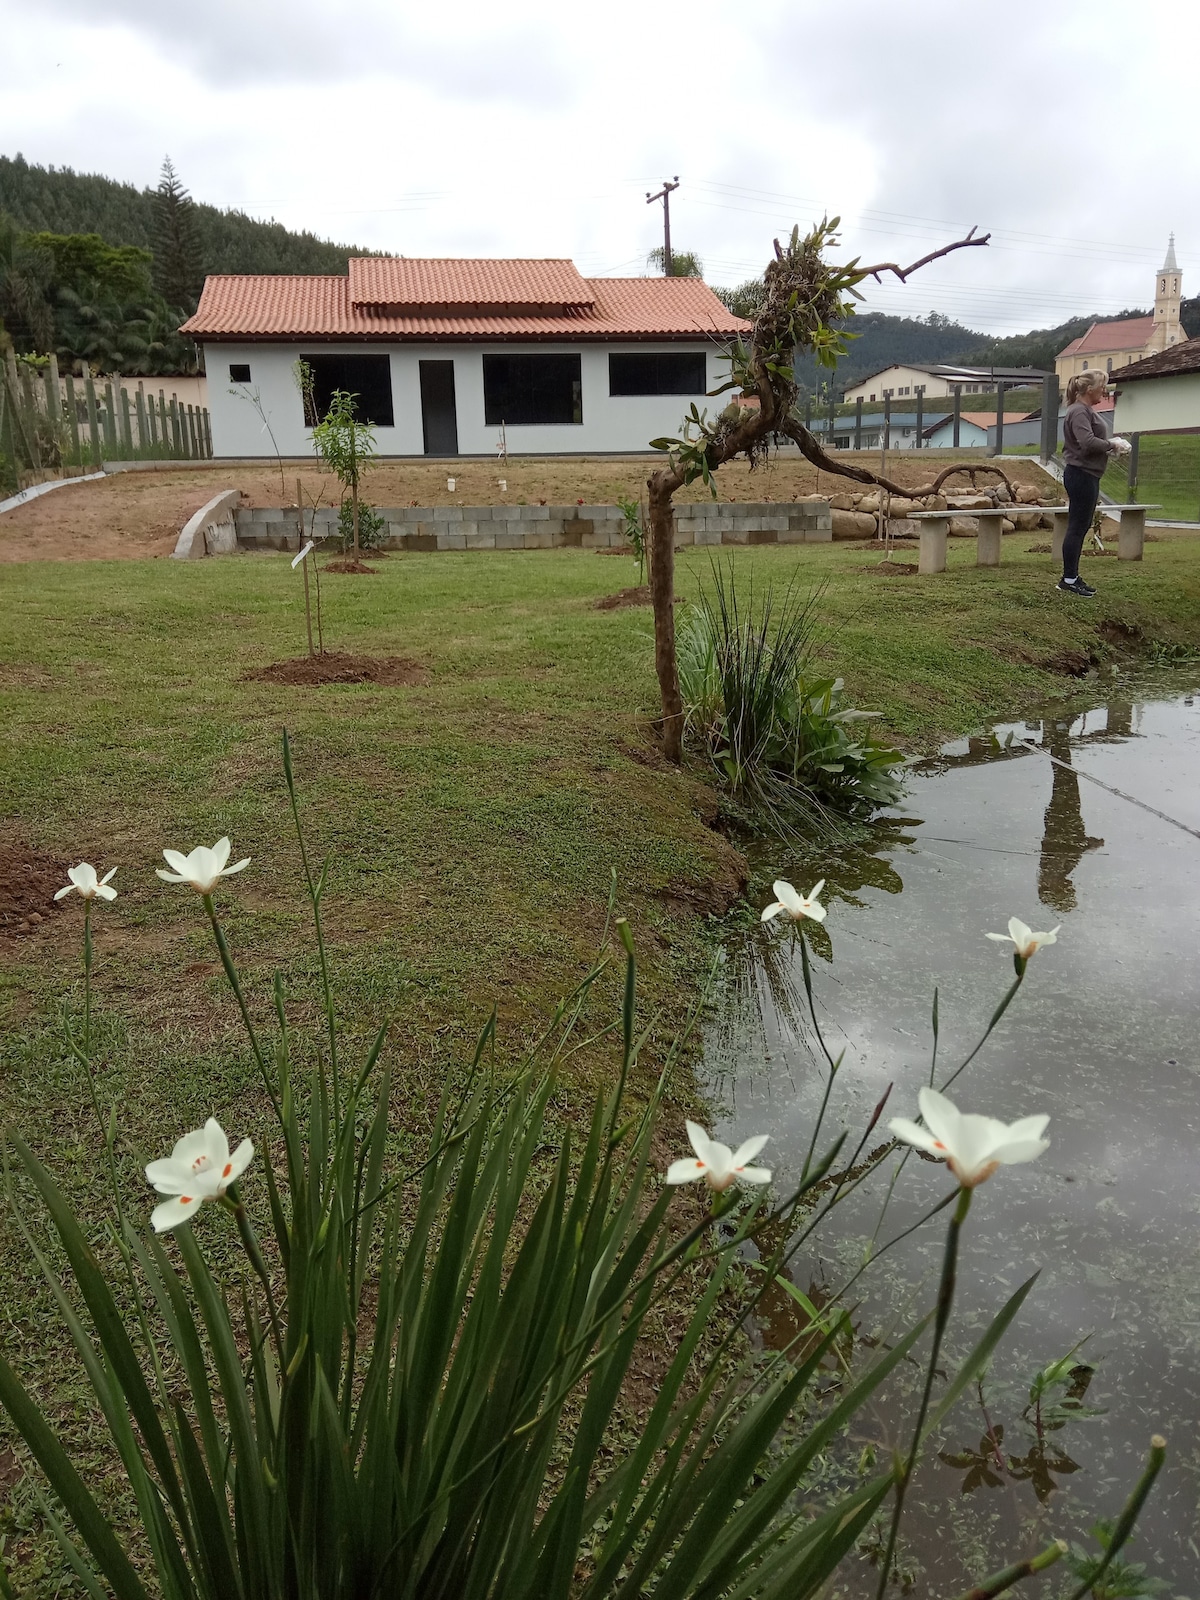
(903, 272)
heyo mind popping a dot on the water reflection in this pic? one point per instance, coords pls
(1105, 1038)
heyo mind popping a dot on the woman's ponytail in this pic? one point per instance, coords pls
(1083, 383)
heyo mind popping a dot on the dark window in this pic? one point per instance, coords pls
(239, 373)
(532, 389)
(367, 378)
(658, 372)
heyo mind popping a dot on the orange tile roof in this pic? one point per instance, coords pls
(410, 281)
(261, 306)
(1133, 333)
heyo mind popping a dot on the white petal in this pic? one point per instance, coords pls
(172, 1212)
(913, 1133)
(69, 889)
(815, 910)
(1017, 1151)
(238, 1162)
(170, 877)
(83, 877)
(105, 893)
(229, 871)
(111, 873)
(191, 1146)
(686, 1170)
(220, 853)
(941, 1116)
(816, 889)
(1018, 932)
(699, 1140)
(218, 1144)
(749, 1149)
(755, 1175)
(772, 910)
(180, 863)
(169, 1176)
(790, 898)
(1028, 1128)
(1001, 938)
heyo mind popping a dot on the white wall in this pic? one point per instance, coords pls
(970, 435)
(611, 423)
(1158, 404)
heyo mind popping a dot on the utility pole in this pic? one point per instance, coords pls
(664, 194)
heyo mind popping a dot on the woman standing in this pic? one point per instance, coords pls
(1086, 451)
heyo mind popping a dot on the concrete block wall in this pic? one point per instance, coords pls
(581, 527)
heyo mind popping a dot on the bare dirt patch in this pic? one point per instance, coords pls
(336, 666)
(139, 514)
(893, 569)
(28, 881)
(627, 597)
(349, 566)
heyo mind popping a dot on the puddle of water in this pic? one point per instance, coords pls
(1103, 1037)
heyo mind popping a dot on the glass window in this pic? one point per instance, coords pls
(658, 372)
(527, 390)
(367, 378)
(239, 372)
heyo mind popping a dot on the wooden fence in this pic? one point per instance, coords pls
(52, 426)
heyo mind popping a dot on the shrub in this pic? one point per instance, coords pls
(779, 735)
(372, 529)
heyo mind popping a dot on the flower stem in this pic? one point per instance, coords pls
(944, 1301)
(235, 985)
(1000, 1581)
(87, 977)
(1129, 1515)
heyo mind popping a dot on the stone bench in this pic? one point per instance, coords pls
(935, 532)
(1131, 529)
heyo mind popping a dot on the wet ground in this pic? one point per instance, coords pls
(1103, 1037)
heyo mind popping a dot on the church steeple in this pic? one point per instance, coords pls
(1168, 329)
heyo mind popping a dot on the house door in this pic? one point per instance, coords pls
(439, 417)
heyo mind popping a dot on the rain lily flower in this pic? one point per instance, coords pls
(202, 868)
(1027, 942)
(716, 1163)
(792, 904)
(85, 883)
(971, 1146)
(199, 1168)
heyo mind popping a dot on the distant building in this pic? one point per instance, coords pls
(1161, 394)
(902, 379)
(976, 430)
(1107, 346)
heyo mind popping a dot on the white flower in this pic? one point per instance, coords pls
(85, 883)
(716, 1163)
(199, 1168)
(1027, 942)
(971, 1146)
(794, 905)
(202, 868)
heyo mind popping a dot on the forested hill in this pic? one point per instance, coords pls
(58, 200)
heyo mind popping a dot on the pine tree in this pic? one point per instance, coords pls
(178, 266)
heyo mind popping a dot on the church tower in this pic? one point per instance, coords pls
(1168, 329)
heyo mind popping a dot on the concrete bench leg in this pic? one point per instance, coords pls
(1059, 534)
(1131, 535)
(987, 542)
(934, 533)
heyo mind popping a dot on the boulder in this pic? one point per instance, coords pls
(852, 525)
(1027, 521)
(842, 502)
(964, 527)
(970, 502)
(899, 507)
(903, 528)
(869, 502)
(1027, 494)
(1007, 525)
(1003, 497)
(935, 502)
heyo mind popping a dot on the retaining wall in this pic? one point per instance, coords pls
(508, 527)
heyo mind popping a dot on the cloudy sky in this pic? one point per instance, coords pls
(536, 128)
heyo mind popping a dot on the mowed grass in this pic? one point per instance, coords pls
(1168, 475)
(474, 823)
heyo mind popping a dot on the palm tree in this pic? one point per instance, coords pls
(108, 336)
(684, 263)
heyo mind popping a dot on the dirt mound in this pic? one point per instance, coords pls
(28, 881)
(893, 569)
(348, 566)
(335, 666)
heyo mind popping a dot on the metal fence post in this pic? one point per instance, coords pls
(1049, 416)
(999, 418)
(920, 393)
(858, 423)
(957, 414)
(887, 420)
(1134, 441)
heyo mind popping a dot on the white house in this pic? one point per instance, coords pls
(444, 355)
(902, 380)
(1162, 393)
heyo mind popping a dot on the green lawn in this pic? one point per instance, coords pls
(1168, 475)
(473, 823)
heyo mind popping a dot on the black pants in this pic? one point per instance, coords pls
(1083, 496)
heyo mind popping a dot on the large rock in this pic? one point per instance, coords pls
(1003, 497)
(842, 502)
(1027, 521)
(899, 507)
(869, 502)
(1007, 525)
(964, 527)
(970, 502)
(852, 525)
(1027, 494)
(935, 502)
